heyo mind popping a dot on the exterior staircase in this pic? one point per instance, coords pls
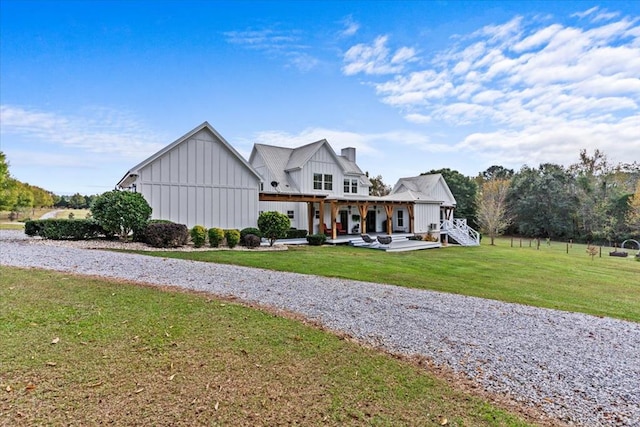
(459, 231)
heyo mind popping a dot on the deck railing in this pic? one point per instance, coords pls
(460, 231)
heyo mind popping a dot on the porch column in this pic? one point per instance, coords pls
(334, 213)
(389, 211)
(363, 208)
(411, 225)
(321, 223)
(311, 213)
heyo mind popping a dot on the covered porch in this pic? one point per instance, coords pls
(337, 217)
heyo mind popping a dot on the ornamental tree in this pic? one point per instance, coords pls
(273, 225)
(121, 213)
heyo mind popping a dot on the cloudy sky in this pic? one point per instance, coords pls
(89, 89)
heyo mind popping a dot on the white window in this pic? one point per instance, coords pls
(290, 214)
(317, 181)
(328, 182)
(317, 214)
(351, 186)
(400, 218)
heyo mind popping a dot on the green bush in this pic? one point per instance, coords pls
(252, 241)
(32, 228)
(63, 229)
(294, 233)
(233, 238)
(166, 235)
(121, 213)
(249, 230)
(273, 225)
(316, 239)
(216, 236)
(198, 235)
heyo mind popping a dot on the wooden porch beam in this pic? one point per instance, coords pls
(334, 214)
(389, 211)
(363, 208)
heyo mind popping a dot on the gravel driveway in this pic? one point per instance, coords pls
(577, 369)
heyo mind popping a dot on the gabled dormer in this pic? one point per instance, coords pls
(314, 168)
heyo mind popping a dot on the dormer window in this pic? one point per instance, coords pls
(351, 186)
(321, 181)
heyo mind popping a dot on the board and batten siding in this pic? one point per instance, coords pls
(200, 181)
(322, 162)
(424, 215)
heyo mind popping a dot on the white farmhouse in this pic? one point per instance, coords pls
(201, 179)
(198, 179)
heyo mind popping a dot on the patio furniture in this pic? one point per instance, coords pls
(367, 238)
(340, 229)
(384, 240)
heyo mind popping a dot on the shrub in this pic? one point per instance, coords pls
(166, 235)
(316, 239)
(249, 230)
(429, 237)
(216, 235)
(198, 236)
(294, 233)
(32, 228)
(251, 241)
(121, 212)
(273, 225)
(63, 229)
(233, 237)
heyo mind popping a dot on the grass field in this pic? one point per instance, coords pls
(82, 351)
(6, 224)
(545, 277)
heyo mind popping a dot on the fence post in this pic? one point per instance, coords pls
(512, 242)
(567, 247)
(538, 244)
(600, 251)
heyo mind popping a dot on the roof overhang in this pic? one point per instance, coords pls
(290, 197)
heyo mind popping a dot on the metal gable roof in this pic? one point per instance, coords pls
(275, 160)
(301, 155)
(424, 187)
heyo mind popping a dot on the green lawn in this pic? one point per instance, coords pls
(84, 351)
(548, 277)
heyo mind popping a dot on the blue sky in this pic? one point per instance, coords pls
(90, 88)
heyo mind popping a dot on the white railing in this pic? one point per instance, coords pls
(459, 230)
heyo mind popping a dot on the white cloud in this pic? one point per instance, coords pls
(276, 43)
(539, 90)
(376, 58)
(368, 144)
(350, 27)
(98, 130)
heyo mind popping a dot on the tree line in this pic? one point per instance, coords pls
(21, 198)
(589, 201)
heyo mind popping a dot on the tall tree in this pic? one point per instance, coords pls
(633, 214)
(497, 172)
(464, 189)
(491, 207)
(7, 185)
(378, 187)
(543, 202)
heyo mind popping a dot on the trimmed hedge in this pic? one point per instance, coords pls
(294, 233)
(249, 230)
(63, 229)
(252, 241)
(198, 235)
(233, 237)
(166, 235)
(316, 239)
(216, 236)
